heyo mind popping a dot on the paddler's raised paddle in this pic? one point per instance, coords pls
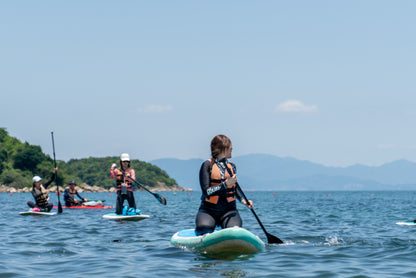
(57, 186)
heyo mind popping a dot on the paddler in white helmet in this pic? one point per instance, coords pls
(40, 194)
(125, 176)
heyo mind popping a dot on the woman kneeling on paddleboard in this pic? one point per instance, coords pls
(40, 193)
(218, 180)
(125, 177)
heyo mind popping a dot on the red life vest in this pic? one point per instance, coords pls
(216, 179)
(121, 178)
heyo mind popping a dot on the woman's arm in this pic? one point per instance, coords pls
(112, 173)
(45, 185)
(79, 196)
(132, 175)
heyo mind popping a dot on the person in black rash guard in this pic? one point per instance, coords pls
(40, 194)
(69, 196)
(218, 180)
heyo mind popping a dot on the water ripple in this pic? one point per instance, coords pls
(347, 234)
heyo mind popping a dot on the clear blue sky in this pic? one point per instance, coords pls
(332, 82)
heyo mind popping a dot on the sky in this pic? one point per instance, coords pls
(332, 82)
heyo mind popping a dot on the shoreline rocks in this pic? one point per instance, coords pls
(87, 188)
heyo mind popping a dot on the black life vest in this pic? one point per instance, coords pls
(41, 196)
(216, 178)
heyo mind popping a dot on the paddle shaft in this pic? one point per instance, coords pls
(160, 198)
(270, 238)
(57, 186)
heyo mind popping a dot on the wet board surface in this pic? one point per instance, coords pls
(406, 223)
(115, 216)
(85, 207)
(231, 240)
(42, 213)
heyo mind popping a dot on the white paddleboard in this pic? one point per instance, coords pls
(30, 212)
(407, 223)
(115, 216)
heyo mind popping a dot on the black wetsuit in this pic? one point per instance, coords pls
(49, 206)
(129, 196)
(223, 213)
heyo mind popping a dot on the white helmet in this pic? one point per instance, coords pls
(36, 179)
(124, 157)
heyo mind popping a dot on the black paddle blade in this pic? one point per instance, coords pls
(161, 199)
(59, 207)
(273, 239)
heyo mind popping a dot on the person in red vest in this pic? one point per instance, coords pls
(125, 176)
(218, 179)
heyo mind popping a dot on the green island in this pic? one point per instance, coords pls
(19, 162)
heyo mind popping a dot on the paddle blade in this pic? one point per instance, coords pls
(161, 199)
(271, 239)
(59, 207)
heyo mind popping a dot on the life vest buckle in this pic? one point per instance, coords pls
(124, 188)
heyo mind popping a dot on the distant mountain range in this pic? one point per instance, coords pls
(268, 172)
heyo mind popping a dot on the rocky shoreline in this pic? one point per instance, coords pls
(87, 188)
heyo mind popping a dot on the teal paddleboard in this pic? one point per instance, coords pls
(234, 240)
(41, 213)
(120, 217)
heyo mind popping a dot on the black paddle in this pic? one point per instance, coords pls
(160, 198)
(56, 174)
(270, 238)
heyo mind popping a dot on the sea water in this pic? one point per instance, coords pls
(325, 234)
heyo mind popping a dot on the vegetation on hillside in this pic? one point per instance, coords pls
(19, 162)
(96, 171)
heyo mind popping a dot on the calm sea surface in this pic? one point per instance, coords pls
(326, 234)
